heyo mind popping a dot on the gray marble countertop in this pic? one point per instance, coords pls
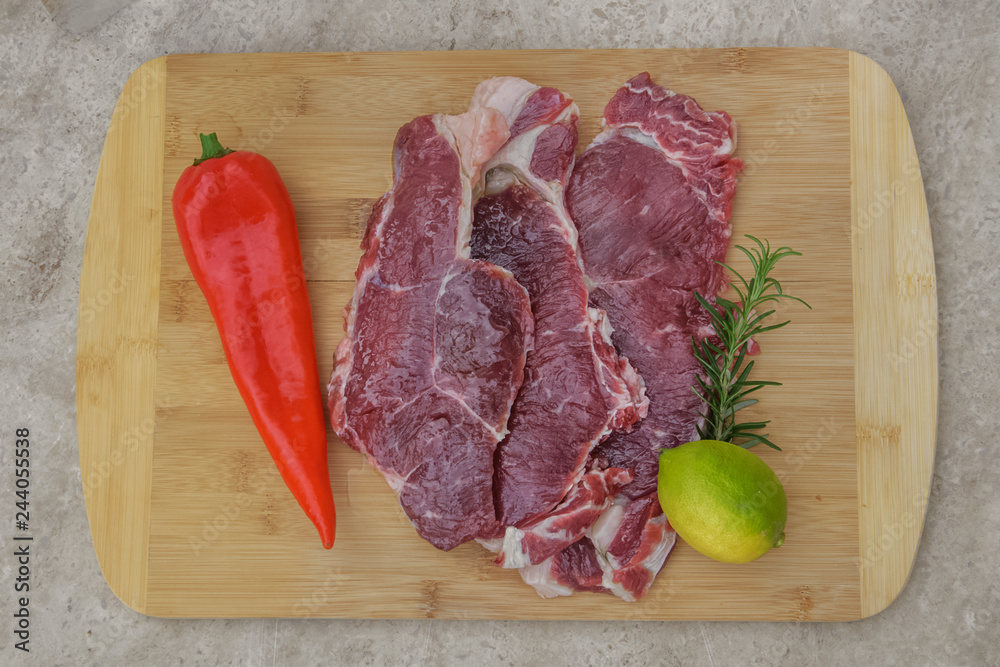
(62, 66)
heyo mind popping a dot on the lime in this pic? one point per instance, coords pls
(722, 500)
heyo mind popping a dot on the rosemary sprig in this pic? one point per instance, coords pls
(727, 382)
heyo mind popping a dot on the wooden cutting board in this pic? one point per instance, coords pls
(188, 514)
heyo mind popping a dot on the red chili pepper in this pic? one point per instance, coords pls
(237, 227)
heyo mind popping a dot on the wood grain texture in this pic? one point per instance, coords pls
(895, 311)
(225, 538)
(117, 334)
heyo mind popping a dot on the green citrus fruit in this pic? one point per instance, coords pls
(722, 500)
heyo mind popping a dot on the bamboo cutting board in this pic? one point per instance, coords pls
(188, 514)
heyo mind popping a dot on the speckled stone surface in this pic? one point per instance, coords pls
(59, 80)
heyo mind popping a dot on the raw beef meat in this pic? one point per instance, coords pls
(651, 198)
(436, 342)
(622, 553)
(576, 389)
(632, 540)
(536, 540)
(575, 568)
(554, 473)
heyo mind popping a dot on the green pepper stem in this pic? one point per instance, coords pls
(211, 148)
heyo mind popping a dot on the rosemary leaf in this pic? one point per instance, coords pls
(727, 380)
